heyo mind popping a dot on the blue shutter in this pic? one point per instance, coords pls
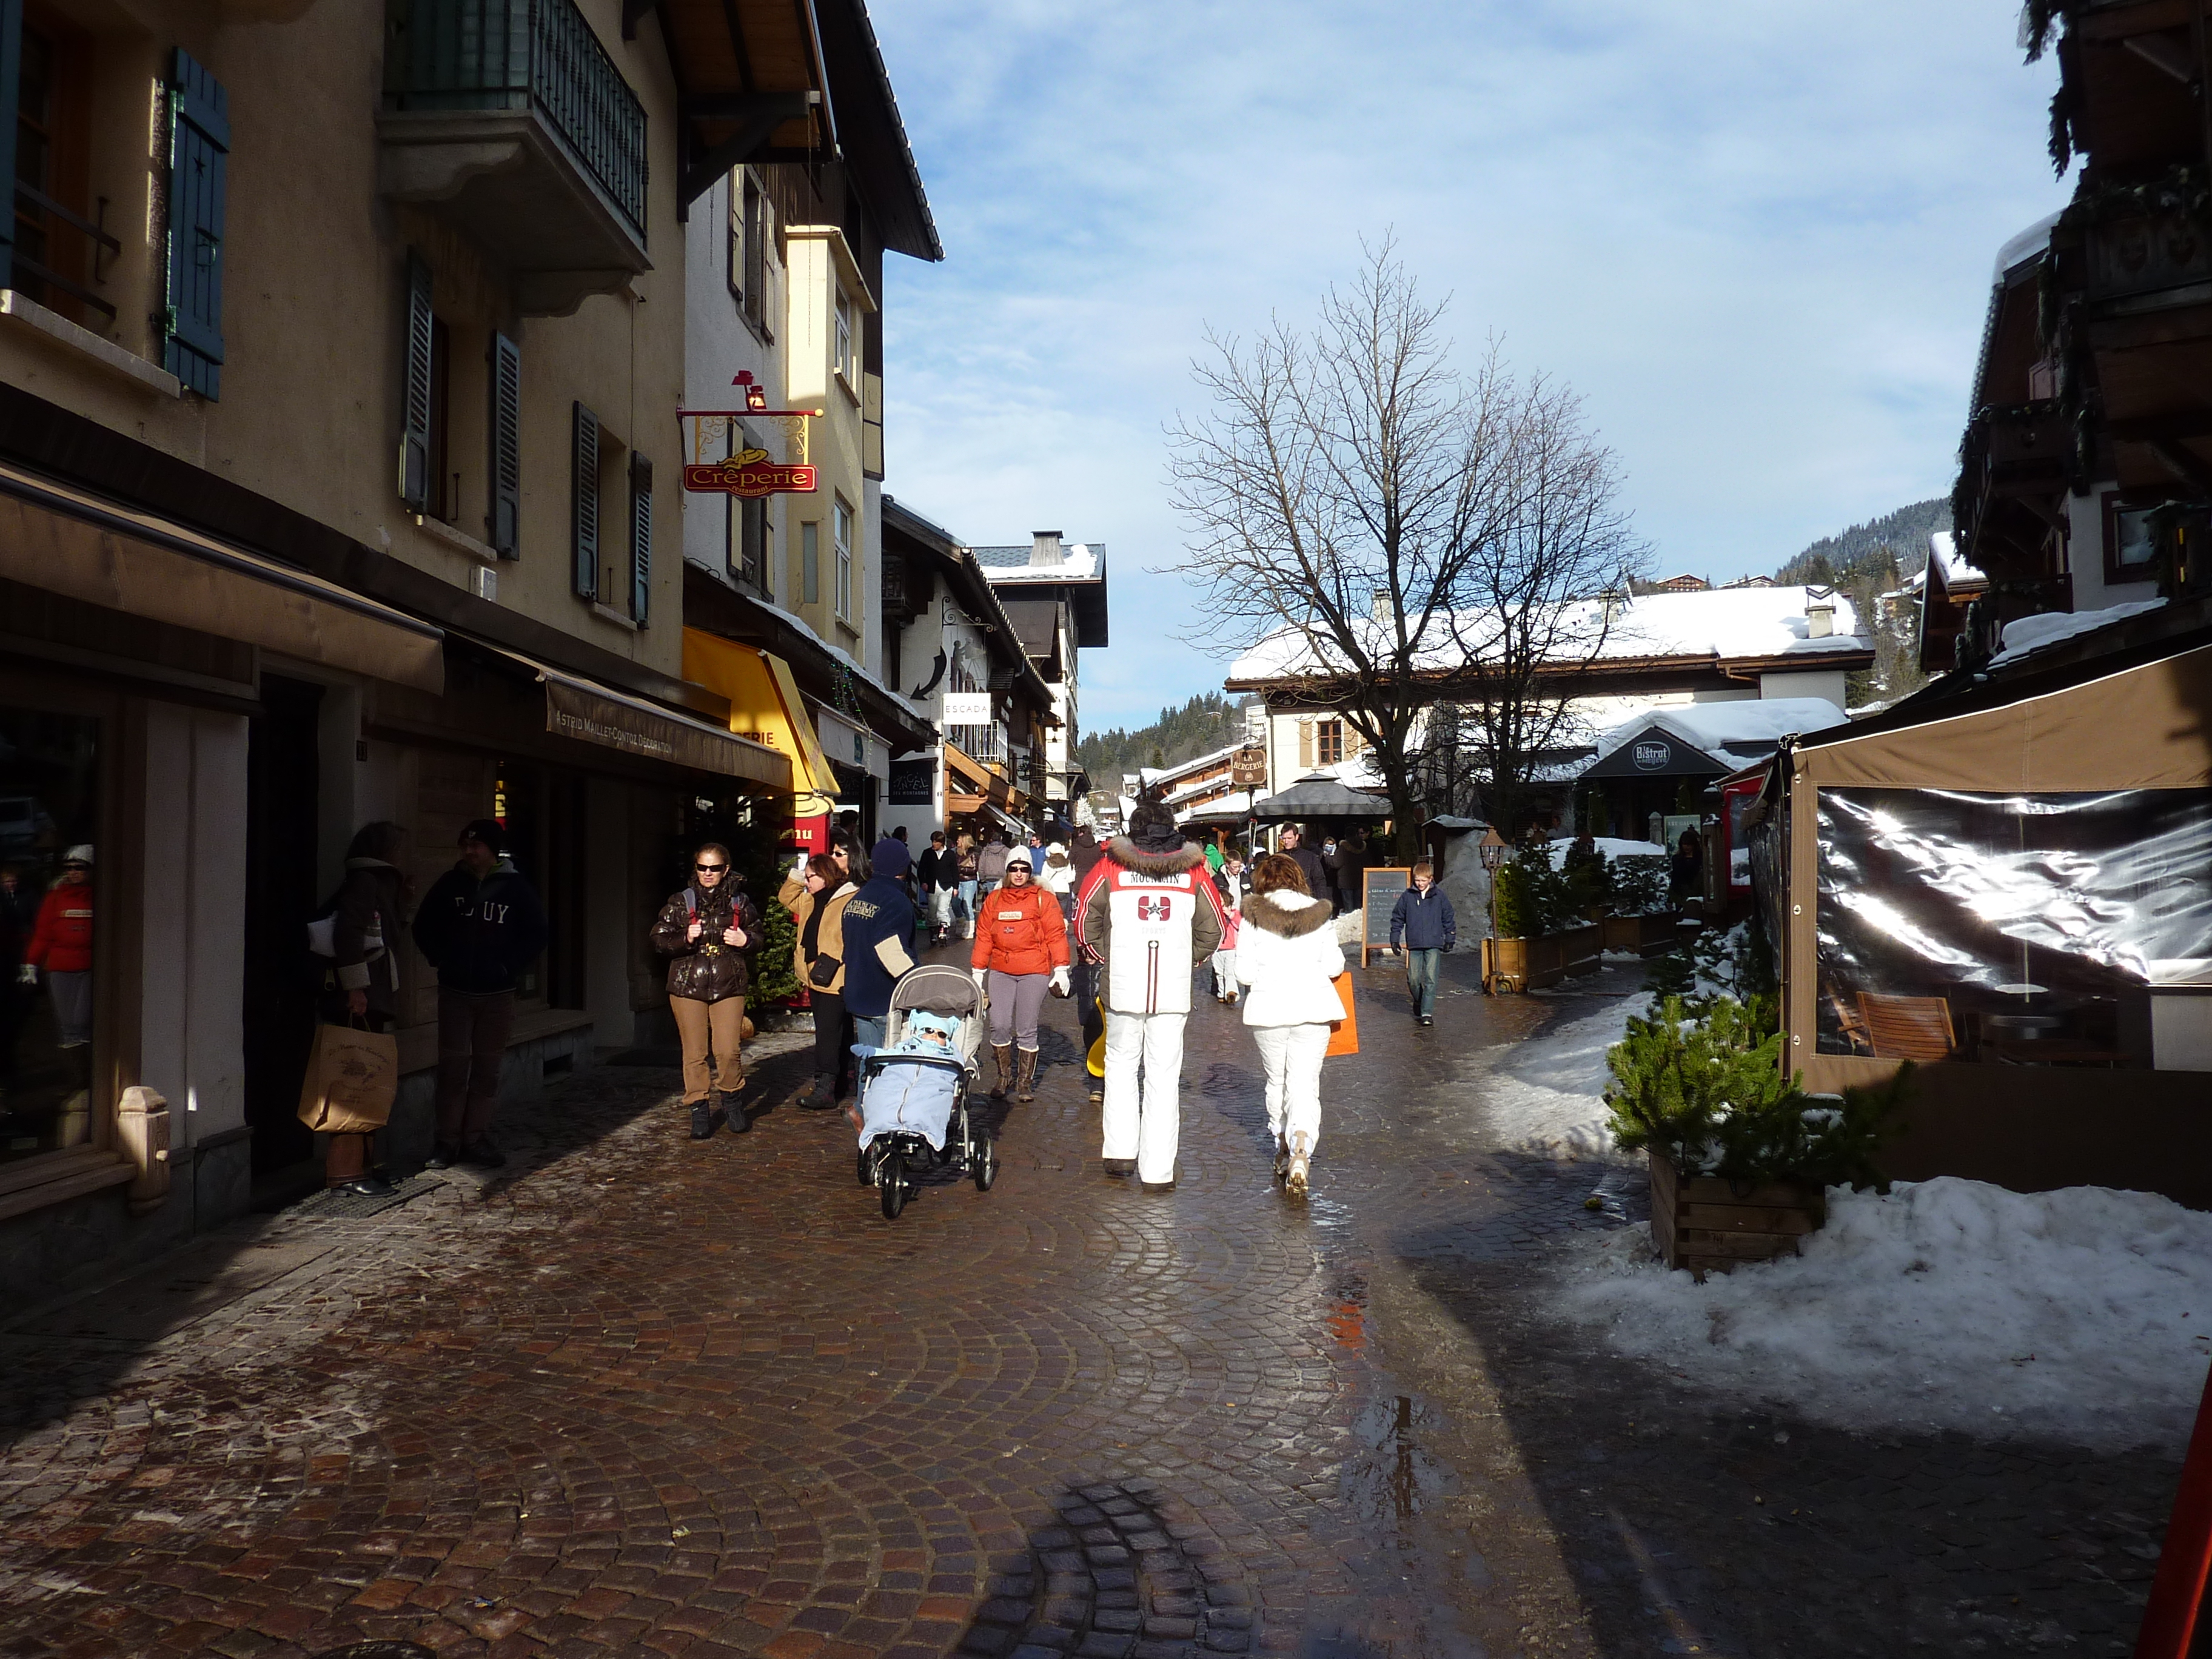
(583, 494)
(11, 75)
(199, 148)
(641, 536)
(506, 447)
(415, 395)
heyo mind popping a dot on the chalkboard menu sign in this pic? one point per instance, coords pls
(1380, 899)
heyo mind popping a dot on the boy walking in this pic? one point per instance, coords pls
(1422, 924)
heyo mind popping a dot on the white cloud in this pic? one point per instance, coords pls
(1756, 237)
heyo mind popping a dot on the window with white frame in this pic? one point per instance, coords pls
(842, 529)
(849, 339)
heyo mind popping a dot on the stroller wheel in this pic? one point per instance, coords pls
(893, 1181)
(984, 1164)
(861, 1169)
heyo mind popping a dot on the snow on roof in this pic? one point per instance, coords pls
(2030, 634)
(1726, 622)
(1944, 554)
(1080, 562)
(1749, 723)
(2026, 245)
(1612, 846)
(1238, 804)
(1153, 775)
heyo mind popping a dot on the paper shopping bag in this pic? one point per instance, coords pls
(352, 1076)
(1344, 1033)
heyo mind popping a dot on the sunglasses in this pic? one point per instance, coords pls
(710, 866)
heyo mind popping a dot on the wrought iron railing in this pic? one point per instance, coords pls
(527, 54)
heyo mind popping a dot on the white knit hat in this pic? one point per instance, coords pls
(80, 854)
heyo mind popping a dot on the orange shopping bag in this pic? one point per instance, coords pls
(1344, 1033)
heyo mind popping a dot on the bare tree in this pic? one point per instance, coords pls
(1541, 602)
(1356, 503)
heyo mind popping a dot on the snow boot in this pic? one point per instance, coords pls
(1025, 1064)
(703, 1121)
(1005, 1057)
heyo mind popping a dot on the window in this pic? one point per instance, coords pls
(2130, 552)
(48, 772)
(54, 256)
(748, 541)
(1328, 743)
(847, 362)
(748, 274)
(843, 525)
(810, 563)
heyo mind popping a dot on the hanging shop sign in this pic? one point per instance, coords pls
(1247, 768)
(751, 474)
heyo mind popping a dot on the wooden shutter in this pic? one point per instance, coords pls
(641, 536)
(505, 518)
(199, 150)
(415, 397)
(1306, 744)
(585, 495)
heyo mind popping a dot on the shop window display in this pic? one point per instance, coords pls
(49, 873)
(2034, 929)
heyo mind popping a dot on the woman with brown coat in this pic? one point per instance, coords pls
(707, 928)
(815, 893)
(362, 984)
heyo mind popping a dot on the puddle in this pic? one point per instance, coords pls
(1394, 1478)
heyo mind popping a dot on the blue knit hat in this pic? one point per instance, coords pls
(889, 857)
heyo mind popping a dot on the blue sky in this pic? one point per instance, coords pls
(1755, 234)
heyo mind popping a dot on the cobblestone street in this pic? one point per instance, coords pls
(638, 1394)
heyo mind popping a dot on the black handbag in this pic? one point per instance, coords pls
(824, 972)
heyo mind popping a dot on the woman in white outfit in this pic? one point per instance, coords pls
(1287, 958)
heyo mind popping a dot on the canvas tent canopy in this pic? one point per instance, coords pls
(1320, 796)
(2017, 897)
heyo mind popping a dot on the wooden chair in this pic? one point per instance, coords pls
(1908, 1028)
(1848, 1025)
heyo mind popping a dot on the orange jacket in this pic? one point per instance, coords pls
(1020, 930)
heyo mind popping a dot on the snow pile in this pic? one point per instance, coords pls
(2083, 1315)
(1544, 1096)
(1747, 723)
(2038, 633)
(1612, 846)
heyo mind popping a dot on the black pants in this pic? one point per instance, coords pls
(833, 1037)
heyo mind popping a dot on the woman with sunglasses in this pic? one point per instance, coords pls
(1021, 949)
(709, 928)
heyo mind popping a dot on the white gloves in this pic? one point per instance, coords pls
(29, 974)
(981, 975)
(1059, 985)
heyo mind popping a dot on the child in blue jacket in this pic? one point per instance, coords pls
(1423, 925)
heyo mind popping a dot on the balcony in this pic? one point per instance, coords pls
(510, 120)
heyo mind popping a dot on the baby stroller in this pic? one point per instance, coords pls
(914, 1105)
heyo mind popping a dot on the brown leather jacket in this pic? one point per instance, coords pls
(705, 969)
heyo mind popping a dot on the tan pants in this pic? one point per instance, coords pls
(705, 1027)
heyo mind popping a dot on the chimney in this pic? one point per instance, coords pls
(1380, 607)
(1610, 603)
(1045, 549)
(1819, 613)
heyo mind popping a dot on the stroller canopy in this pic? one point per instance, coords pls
(937, 987)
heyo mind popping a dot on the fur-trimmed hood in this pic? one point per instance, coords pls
(1287, 916)
(1127, 854)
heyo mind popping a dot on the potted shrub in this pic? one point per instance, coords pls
(1566, 902)
(1523, 957)
(1638, 922)
(1740, 1158)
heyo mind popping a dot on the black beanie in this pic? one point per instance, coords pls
(486, 830)
(1152, 827)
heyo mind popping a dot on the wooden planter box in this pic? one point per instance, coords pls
(1707, 1225)
(1643, 936)
(1523, 965)
(1582, 946)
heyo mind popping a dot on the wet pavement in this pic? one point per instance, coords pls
(642, 1396)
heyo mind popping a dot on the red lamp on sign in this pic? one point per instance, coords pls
(756, 396)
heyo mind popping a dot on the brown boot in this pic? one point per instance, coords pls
(1025, 1075)
(1005, 1056)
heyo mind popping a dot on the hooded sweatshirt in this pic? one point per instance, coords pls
(480, 935)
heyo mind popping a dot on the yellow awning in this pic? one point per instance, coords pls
(765, 706)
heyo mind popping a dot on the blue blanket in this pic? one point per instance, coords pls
(913, 1097)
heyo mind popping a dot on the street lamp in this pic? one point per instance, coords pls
(1494, 851)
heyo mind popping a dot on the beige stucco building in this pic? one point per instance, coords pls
(341, 349)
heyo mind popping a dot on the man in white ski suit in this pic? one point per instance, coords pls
(1151, 913)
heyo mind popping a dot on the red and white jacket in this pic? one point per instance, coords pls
(1150, 918)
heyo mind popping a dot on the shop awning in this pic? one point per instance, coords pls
(1010, 822)
(592, 712)
(75, 544)
(764, 706)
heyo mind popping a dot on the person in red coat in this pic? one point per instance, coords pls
(1021, 948)
(61, 944)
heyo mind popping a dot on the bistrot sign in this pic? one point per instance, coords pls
(751, 474)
